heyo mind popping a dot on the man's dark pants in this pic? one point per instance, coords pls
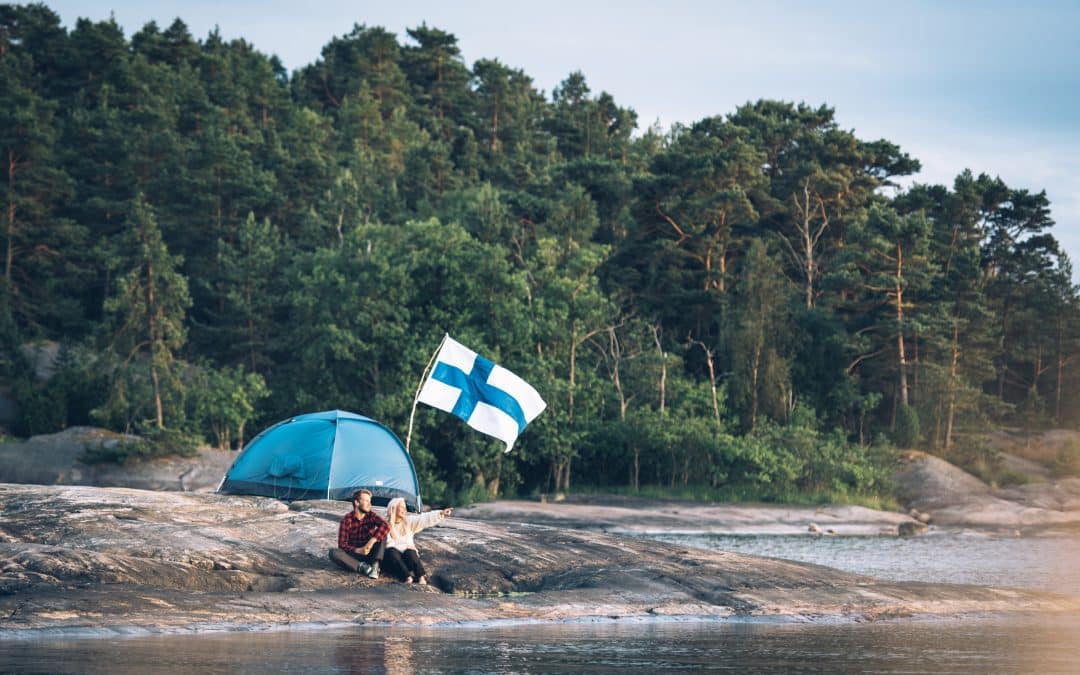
(351, 561)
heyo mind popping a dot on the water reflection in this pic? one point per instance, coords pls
(354, 656)
(1019, 644)
(397, 655)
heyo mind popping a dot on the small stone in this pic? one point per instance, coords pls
(911, 528)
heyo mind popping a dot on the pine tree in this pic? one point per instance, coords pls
(147, 313)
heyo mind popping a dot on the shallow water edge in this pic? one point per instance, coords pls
(135, 632)
(1017, 644)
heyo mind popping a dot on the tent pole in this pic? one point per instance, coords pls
(423, 378)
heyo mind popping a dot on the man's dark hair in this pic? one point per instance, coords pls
(361, 491)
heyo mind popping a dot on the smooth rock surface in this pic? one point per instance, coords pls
(953, 497)
(632, 515)
(102, 561)
(54, 459)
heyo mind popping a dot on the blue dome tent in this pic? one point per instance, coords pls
(325, 455)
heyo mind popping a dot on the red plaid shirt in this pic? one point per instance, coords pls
(354, 533)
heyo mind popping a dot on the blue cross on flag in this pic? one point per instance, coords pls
(488, 397)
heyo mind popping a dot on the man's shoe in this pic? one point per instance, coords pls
(363, 568)
(374, 573)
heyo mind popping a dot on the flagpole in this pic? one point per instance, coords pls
(423, 378)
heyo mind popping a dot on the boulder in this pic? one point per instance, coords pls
(911, 529)
(953, 497)
(41, 356)
(54, 459)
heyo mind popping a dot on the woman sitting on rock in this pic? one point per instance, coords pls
(402, 559)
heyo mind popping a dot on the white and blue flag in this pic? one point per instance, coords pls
(488, 397)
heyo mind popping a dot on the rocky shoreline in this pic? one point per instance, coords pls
(87, 560)
(638, 516)
(160, 552)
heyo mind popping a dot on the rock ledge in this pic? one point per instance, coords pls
(78, 559)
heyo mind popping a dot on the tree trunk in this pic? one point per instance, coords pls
(1037, 371)
(809, 294)
(218, 212)
(710, 362)
(723, 259)
(562, 475)
(1004, 353)
(573, 357)
(900, 326)
(951, 408)
(1059, 375)
(151, 335)
(493, 485)
(159, 416)
(806, 256)
(755, 369)
(807, 245)
(663, 369)
(10, 255)
(663, 385)
(616, 379)
(915, 360)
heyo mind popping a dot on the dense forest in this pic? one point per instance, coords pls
(750, 304)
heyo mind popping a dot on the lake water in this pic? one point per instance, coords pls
(986, 646)
(990, 644)
(961, 557)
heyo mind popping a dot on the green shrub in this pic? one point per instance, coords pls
(1067, 462)
(153, 444)
(222, 402)
(41, 407)
(1008, 478)
(908, 430)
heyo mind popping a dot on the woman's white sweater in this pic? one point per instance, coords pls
(401, 536)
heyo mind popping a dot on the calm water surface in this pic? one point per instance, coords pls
(961, 557)
(992, 644)
(1021, 644)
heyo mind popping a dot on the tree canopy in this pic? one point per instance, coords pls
(746, 303)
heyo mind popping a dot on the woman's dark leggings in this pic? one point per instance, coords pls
(401, 565)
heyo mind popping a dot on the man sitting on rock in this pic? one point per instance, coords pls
(361, 538)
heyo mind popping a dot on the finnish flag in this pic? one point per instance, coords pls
(488, 397)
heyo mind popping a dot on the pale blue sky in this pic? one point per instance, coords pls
(992, 86)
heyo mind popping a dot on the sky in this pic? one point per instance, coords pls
(988, 85)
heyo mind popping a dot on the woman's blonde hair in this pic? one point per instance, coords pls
(391, 514)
